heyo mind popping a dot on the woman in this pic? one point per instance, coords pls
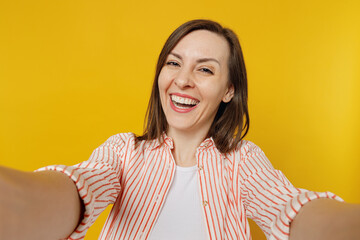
(190, 176)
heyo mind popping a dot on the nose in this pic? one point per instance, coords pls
(184, 79)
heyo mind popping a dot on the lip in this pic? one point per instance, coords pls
(181, 110)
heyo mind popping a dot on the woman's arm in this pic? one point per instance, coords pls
(40, 205)
(326, 219)
(270, 199)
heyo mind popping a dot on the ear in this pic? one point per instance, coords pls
(229, 94)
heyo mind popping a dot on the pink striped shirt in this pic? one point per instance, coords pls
(136, 177)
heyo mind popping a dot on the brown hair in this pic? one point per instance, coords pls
(231, 122)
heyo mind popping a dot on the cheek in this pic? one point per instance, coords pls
(213, 92)
(162, 85)
(163, 81)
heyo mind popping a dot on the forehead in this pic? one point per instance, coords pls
(203, 44)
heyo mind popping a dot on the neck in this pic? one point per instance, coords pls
(185, 145)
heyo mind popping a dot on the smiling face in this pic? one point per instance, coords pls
(194, 81)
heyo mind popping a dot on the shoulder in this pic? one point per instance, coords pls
(246, 147)
(246, 152)
(120, 139)
(251, 157)
(129, 141)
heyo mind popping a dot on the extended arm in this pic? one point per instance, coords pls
(326, 219)
(273, 202)
(41, 205)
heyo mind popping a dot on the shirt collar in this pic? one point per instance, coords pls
(164, 139)
(207, 143)
(169, 142)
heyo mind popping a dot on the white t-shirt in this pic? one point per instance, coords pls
(181, 217)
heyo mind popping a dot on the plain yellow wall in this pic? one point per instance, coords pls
(73, 73)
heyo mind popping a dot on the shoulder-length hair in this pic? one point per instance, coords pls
(231, 122)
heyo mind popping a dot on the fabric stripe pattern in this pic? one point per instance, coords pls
(136, 176)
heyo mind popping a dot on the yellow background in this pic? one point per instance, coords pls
(73, 73)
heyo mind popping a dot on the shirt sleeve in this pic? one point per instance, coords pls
(97, 179)
(268, 196)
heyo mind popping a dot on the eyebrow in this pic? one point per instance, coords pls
(200, 60)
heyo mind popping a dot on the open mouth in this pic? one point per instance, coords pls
(183, 103)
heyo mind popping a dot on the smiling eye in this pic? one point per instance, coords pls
(172, 63)
(206, 70)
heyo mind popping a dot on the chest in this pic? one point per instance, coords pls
(145, 186)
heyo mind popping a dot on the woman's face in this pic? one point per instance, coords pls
(194, 80)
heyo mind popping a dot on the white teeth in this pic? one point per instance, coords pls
(182, 100)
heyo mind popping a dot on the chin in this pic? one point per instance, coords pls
(181, 126)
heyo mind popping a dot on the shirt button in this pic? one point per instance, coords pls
(201, 168)
(205, 203)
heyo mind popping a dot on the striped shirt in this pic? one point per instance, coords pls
(136, 176)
